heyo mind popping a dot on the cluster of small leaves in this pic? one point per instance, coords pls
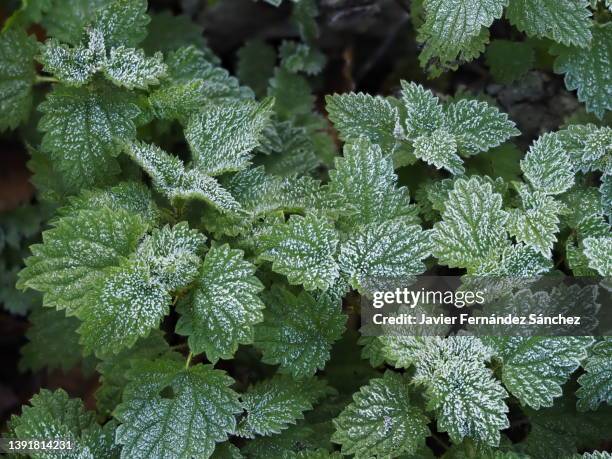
(239, 249)
(453, 32)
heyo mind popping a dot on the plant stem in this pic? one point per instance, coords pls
(188, 360)
(45, 79)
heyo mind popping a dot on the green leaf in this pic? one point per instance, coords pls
(589, 146)
(385, 251)
(167, 32)
(472, 227)
(164, 262)
(130, 68)
(199, 412)
(123, 22)
(222, 136)
(565, 22)
(508, 60)
(67, 24)
(81, 127)
(381, 421)
(179, 101)
(586, 70)
(299, 57)
(54, 415)
(468, 401)
(172, 255)
(596, 382)
(114, 367)
(477, 126)
(298, 331)
(364, 181)
(272, 405)
(547, 165)
(53, 341)
(220, 312)
(190, 63)
(76, 252)
(535, 368)
(131, 196)
(121, 307)
(170, 177)
(424, 114)
(292, 95)
(73, 66)
(453, 29)
(303, 249)
(361, 115)
(537, 223)
(598, 251)
(561, 430)
(439, 149)
(255, 65)
(17, 73)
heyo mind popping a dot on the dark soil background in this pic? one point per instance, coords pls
(370, 46)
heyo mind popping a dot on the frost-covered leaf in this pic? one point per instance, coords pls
(131, 196)
(81, 127)
(424, 114)
(54, 415)
(509, 60)
(222, 136)
(298, 331)
(468, 401)
(130, 68)
(122, 306)
(122, 22)
(383, 252)
(172, 254)
(598, 250)
(72, 66)
(472, 227)
(586, 70)
(605, 190)
(589, 146)
(170, 177)
(364, 180)
(52, 341)
(477, 126)
(220, 312)
(199, 412)
(566, 22)
(179, 101)
(75, 253)
(454, 29)
(381, 421)
(190, 63)
(547, 165)
(439, 149)
(303, 249)
(596, 383)
(272, 405)
(361, 115)
(535, 368)
(537, 223)
(17, 73)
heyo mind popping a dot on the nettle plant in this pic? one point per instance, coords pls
(208, 245)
